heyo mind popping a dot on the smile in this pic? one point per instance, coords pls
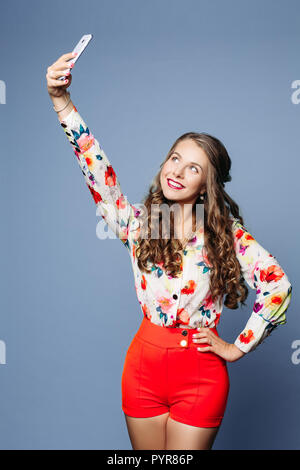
(173, 184)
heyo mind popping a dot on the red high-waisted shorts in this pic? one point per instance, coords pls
(164, 372)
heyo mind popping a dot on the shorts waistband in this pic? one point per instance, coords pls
(168, 337)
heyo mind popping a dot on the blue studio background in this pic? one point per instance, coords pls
(69, 311)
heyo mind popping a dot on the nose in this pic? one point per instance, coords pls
(178, 172)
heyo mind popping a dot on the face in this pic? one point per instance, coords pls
(187, 165)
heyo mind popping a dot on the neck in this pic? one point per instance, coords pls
(184, 224)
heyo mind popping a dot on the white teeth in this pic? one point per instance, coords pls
(175, 184)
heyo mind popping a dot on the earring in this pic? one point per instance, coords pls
(202, 197)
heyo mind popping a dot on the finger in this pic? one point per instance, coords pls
(200, 340)
(67, 56)
(203, 329)
(51, 75)
(205, 348)
(54, 74)
(60, 66)
(54, 83)
(200, 335)
(203, 340)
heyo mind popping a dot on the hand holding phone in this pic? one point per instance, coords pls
(79, 48)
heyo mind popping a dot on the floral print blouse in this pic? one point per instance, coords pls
(185, 300)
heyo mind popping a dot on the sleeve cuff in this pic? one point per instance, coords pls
(254, 333)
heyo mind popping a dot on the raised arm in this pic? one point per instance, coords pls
(99, 174)
(262, 272)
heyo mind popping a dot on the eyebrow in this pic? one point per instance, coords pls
(195, 163)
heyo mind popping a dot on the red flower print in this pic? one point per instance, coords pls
(248, 236)
(97, 197)
(85, 142)
(272, 273)
(239, 233)
(182, 317)
(121, 204)
(246, 338)
(189, 288)
(110, 176)
(276, 300)
(89, 161)
(143, 282)
(165, 303)
(74, 108)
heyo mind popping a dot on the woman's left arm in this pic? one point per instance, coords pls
(262, 272)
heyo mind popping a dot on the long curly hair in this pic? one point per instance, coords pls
(225, 271)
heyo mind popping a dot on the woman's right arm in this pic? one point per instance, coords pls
(98, 173)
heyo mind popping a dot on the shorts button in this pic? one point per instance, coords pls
(183, 342)
(184, 332)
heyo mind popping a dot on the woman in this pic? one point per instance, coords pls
(175, 380)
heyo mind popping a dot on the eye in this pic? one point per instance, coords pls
(174, 157)
(192, 166)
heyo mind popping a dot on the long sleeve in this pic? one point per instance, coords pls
(262, 272)
(100, 177)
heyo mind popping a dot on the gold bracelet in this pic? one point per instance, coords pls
(59, 110)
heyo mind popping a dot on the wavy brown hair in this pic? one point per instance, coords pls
(225, 271)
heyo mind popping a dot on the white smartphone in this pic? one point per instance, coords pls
(79, 48)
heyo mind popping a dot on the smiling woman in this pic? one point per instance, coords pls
(194, 172)
(173, 395)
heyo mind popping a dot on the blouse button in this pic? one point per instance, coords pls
(183, 342)
(175, 296)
